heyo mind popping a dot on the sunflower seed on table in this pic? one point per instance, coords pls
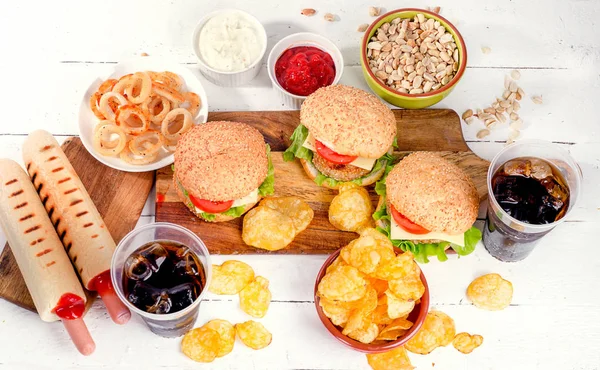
(309, 12)
(513, 87)
(520, 92)
(374, 11)
(483, 133)
(490, 122)
(506, 94)
(514, 116)
(436, 9)
(468, 113)
(501, 117)
(486, 50)
(515, 74)
(537, 99)
(517, 124)
(329, 17)
(518, 96)
(516, 106)
(363, 27)
(512, 96)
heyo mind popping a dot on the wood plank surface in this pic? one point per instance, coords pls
(119, 197)
(432, 130)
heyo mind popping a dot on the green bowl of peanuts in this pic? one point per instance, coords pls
(412, 58)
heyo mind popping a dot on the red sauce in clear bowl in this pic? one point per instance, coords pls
(302, 70)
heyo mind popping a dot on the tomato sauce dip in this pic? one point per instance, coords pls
(302, 70)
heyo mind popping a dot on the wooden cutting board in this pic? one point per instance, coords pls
(430, 129)
(119, 197)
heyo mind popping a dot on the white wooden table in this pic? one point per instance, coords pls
(52, 50)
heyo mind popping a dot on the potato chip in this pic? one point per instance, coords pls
(437, 330)
(201, 344)
(361, 315)
(466, 343)
(226, 335)
(409, 288)
(380, 315)
(343, 284)
(396, 307)
(338, 312)
(365, 334)
(391, 334)
(379, 285)
(266, 228)
(367, 253)
(339, 261)
(351, 209)
(396, 359)
(490, 292)
(256, 297)
(398, 267)
(293, 207)
(253, 334)
(230, 277)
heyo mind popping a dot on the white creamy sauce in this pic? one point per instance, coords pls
(230, 42)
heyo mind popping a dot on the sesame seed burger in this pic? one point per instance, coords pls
(222, 169)
(427, 205)
(345, 135)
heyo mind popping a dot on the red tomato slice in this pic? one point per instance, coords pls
(407, 224)
(210, 206)
(332, 156)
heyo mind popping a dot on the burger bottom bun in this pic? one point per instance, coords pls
(218, 217)
(312, 172)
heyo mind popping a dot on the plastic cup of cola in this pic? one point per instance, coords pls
(164, 324)
(507, 238)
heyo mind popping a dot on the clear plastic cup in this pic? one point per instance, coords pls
(172, 324)
(511, 240)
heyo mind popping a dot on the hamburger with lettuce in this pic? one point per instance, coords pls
(222, 169)
(428, 205)
(345, 135)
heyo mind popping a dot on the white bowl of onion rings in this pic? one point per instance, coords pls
(132, 119)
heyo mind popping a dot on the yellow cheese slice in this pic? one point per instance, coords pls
(361, 162)
(250, 198)
(398, 233)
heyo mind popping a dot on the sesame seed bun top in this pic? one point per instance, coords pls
(433, 192)
(221, 161)
(351, 120)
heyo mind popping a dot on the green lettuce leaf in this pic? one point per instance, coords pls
(422, 251)
(380, 185)
(268, 186)
(296, 150)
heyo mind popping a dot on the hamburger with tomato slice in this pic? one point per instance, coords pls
(428, 205)
(345, 135)
(222, 169)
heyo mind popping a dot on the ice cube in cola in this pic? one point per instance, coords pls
(163, 277)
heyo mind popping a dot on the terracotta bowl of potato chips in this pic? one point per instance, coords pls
(390, 333)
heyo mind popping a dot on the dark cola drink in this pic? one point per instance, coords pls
(163, 277)
(530, 190)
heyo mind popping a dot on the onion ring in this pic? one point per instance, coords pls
(102, 123)
(143, 80)
(170, 145)
(167, 92)
(123, 83)
(100, 144)
(123, 115)
(153, 104)
(130, 158)
(106, 108)
(95, 98)
(193, 100)
(177, 80)
(143, 144)
(171, 116)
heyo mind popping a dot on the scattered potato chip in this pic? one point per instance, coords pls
(266, 228)
(345, 283)
(396, 359)
(256, 297)
(253, 334)
(226, 335)
(396, 307)
(351, 209)
(230, 277)
(201, 344)
(436, 330)
(409, 288)
(490, 292)
(466, 343)
(293, 207)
